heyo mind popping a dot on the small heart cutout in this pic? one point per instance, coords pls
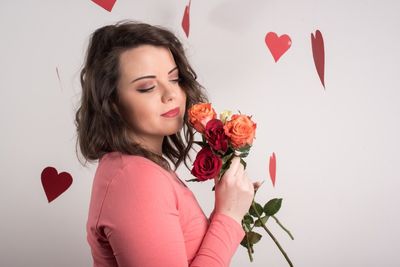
(106, 4)
(186, 20)
(277, 45)
(272, 168)
(317, 43)
(55, 184)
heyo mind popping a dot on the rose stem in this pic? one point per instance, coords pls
(286, 230)
(272, 236)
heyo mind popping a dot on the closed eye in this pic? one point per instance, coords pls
(148, 89)
(177, 80)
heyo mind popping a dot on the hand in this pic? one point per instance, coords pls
(234, 192)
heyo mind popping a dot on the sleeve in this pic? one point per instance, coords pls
(220, 242)
(144, 229)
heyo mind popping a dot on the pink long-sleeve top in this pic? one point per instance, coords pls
(141, 215)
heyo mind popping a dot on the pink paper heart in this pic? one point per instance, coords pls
(317, 43)
(277, 45)
(272, 168)
(55, 184)
(106, 4)
(186, 20)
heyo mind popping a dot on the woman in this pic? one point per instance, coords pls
(137, 87)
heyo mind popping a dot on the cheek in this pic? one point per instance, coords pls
(183, 95)
(130, 112)
(143, 113)
(125, 110)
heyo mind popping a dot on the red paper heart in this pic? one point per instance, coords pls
(55, 184)
(106, 4)
(317, 43)
(277, 45)
(272, 168)
(185, 20)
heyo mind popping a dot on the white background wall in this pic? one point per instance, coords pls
(337, 149)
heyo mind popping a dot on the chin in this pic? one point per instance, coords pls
(174, 130)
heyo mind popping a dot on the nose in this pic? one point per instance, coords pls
(169, 92)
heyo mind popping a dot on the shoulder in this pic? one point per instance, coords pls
(123, 162)
(137, 160)
(126, 172)
(138, 173)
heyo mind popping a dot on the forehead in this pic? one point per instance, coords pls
(146, 58)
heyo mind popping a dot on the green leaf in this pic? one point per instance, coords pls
(229, 151)
(258, 208)
(226, 157)
(248, 219)
(272, 206)
(247, 227)
(243, 151)
(226, 162)
(247, 222)
(263, 221)
(243, 155)
(243, 162)
(253, 237)
(245, 148)
(244, 242)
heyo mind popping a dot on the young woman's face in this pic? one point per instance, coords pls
(148, 87)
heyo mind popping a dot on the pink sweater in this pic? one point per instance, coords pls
(141, 215)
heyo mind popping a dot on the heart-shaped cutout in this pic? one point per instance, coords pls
(317, 43)
(272, 168)
(55, 184)
(106, 4)
(277, 45)
(186, 20)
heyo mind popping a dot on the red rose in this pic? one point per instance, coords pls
(207, 165)
(215, 135)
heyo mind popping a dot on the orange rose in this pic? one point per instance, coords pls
(199, 114)
(241, 130)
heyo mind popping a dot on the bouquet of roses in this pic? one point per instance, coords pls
(222, 139)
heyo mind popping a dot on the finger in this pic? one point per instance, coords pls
(240, 169)
(235, 162)
(245, 177)
(246, 181)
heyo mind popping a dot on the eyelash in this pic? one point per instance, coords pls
(148, 89)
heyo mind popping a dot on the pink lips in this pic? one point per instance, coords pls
(171, 113)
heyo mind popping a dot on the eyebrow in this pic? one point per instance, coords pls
(151, 76)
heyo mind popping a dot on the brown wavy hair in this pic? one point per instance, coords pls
(101, 124)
